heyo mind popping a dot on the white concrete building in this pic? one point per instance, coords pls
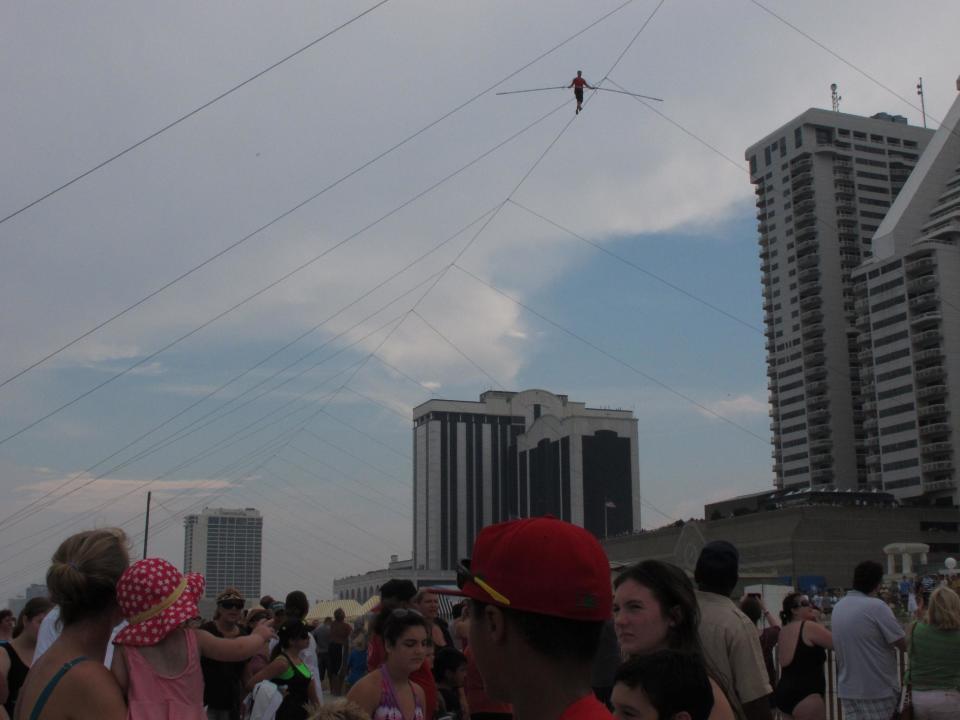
(225, 545)
(824, 181)
(908, 302)
(518, 454)
(366, 585)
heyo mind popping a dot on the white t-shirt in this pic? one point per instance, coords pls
(50, 631)
(864, 630)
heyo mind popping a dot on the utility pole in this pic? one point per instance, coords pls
(146, 528)
(923, 107)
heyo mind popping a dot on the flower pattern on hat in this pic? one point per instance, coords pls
(150, 589)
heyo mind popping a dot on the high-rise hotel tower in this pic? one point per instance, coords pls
(824, 182)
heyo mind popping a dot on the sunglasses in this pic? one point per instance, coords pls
(231, 605)
(464, 573)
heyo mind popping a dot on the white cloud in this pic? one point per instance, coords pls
(740, 406)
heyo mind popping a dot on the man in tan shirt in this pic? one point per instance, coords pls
(730, 641)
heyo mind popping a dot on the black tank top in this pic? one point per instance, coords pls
(15, 677)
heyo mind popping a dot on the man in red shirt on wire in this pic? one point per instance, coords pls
(578, 84)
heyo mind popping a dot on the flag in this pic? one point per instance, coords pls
(609, 504)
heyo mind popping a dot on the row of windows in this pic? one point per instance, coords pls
(889, 285)
(892, 320)
(890, 357)
(897, 446)
(896, 410)
(901, 464)
(895, 392)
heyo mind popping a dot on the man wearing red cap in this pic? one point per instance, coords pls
(539, 592)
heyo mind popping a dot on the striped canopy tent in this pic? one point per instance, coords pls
(326, 608)
(369, 605)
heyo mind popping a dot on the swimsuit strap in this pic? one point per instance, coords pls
(388, 690)
(51, 685)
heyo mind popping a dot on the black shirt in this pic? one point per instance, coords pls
(222, 681)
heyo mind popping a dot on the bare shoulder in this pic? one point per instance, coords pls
(366, 692)
(721, 706)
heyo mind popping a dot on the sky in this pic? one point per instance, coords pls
(374, 227)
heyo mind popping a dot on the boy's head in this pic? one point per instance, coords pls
(450, 667)
(665, 685)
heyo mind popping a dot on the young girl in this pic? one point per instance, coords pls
(289, 672)
(387, 693)
(157, 662)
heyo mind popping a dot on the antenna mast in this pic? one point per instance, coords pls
(923, 107)
(835, 97)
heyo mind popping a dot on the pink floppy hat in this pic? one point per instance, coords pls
(156, 599)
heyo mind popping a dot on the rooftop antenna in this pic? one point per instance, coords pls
(835, 97)
(923, 107)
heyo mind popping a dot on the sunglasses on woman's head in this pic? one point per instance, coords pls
(405, 612)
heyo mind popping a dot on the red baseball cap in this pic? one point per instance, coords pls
(539, 565)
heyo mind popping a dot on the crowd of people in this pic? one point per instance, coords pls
(541, 630)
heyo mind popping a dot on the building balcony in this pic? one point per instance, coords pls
(929, 374)
(816, 388)
(933, 412)
(927, 301)
(814, 360)
(932, 392)
(945, 484)
(823, 445)
(818, 429)
(927, 338)
(818, 416)
(799, 180)
(820, 460)
(812, 316)
(870, 423)
(812, 330)
(804, 247)
(927, 282)
(762, 228)
(810, 260)
(809, 303)
(817, 401)
(920, 266)
(808, 275)
(934, 431)
(865, 356)
(815, 373)
(765, 268)
(768, 306)
(809, 289)
(821, 476)
(846, 221)
(927, 319)
(936, 448)
(931, 355)
(804, 220)
(771, 371)
(938, 466)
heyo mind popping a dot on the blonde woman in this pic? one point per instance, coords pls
(934, 672)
